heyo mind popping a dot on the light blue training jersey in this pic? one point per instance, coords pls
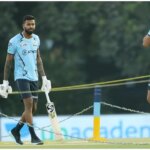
(25, 56)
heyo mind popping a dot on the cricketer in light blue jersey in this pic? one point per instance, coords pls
(23, 50)
(25, 54)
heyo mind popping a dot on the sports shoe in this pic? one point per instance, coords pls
(16, 135)
(36, 141)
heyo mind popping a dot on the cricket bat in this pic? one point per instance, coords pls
(53, 118)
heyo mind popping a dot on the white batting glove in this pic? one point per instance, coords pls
(5, 89)
(46, 84)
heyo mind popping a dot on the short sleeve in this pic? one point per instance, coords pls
(148, 33)
(11, 47)
(38, 41)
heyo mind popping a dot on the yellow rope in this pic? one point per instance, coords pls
(99, 83)
(106, 85)
(92, 85)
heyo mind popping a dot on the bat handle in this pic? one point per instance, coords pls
(47, 97)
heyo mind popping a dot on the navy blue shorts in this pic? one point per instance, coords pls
(26, 85)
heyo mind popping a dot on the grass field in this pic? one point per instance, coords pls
(78, 144)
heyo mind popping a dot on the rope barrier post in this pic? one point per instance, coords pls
(96, 114)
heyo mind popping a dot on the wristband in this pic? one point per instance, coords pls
(44, 78)
(5, 82)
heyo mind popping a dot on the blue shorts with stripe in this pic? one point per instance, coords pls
(24, 85)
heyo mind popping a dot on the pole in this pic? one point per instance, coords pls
(96, 114)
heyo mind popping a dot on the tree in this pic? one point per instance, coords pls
(84, 42)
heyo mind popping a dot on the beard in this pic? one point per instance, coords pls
(29, 31)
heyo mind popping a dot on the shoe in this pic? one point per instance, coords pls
(16, 135)
(36, 141)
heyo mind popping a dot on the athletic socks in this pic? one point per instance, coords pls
(31, 129)
(32, 132)
(19, 126)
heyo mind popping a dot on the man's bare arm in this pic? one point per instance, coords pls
(146, 41)
(40, 64)
(8, 65)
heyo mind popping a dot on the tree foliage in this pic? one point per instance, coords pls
(84, 42)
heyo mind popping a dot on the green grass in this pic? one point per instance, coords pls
(78, 144)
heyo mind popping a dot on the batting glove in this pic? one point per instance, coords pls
(46, 84)
(5, 89)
